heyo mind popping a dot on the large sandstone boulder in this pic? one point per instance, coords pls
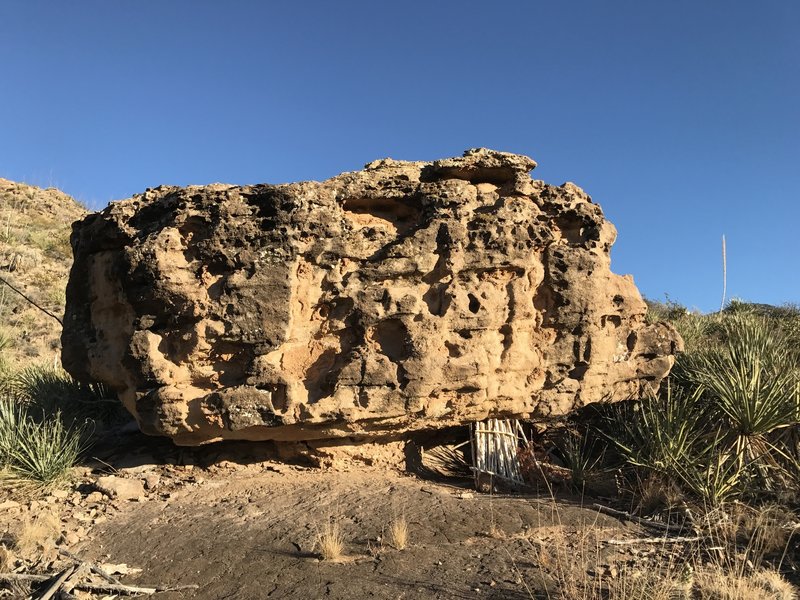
(406, 296)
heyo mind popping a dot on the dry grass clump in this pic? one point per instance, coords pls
(736, 555)
(38, 534)
(758, 533)
(715, 583)
(570, 561)
(330, 540)
(398, 533)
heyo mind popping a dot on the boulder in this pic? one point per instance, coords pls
(406, 296)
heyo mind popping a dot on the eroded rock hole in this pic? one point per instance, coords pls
(384, 213)
(474, 304)
(578, 372)
(392, 339)
(631, 341)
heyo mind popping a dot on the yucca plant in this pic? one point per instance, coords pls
(671, 437)
(43, 452)
(715, 480)
(12, 415)
(751, 381)
(577, 451)
(660, 433)
(51, 390)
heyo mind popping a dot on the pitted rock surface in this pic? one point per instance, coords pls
(406, 296)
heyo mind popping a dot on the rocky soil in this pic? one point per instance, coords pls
(240, 525)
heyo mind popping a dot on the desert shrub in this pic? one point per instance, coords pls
(39, 452)
(11, 417)
(48, 390)
(664, 311)
(751, 384)
(726, 424)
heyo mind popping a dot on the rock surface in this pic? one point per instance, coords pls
(406, 296)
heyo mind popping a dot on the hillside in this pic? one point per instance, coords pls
(35, 257)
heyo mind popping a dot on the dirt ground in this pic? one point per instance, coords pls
(248, 528)
(253, 536)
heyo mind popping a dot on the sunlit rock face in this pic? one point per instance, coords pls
(406, 296)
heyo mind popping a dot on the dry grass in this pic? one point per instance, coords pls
(646, 585)
(38, 534)
(757, 532)
(398, 533)
(330, 540)
(715, 583)
(657, 494)
(571, 561)
(735, 562)
(6, 558)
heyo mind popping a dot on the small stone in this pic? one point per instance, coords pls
(151, 481)
(119, 488)
(94, 497)
(60, 494)
(8, 504)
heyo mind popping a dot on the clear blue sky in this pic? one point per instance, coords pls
(682, 118)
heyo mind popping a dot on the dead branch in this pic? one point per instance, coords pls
(633, 518)
(91, 566)
(50, 592)
(655, 540)
(129, 590)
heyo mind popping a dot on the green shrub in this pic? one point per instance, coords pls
(48, 390)
(5, 340)
(11, 417)
(751, 382)
(38, 452)
(726, 424)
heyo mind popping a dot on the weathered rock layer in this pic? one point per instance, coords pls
(405, 296)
